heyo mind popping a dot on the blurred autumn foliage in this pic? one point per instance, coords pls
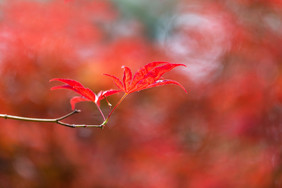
(226, 132)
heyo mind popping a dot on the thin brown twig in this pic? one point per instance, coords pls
(54, 120)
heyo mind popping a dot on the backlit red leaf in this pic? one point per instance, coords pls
(143, 84)
(63, 87)
(127, 77)
(152, 65)
(141, 73)
(77, 99)
(146, 77)
(165, 82)
(70, 82)
(75, 86)
(86, 92)
(157, 72)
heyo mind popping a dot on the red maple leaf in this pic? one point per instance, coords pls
(86, 94)
(147, 77)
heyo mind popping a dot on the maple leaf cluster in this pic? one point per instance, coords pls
(231, 122)
(86, 94)
(147, 77)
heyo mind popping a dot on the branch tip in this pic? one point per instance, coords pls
(77, 111)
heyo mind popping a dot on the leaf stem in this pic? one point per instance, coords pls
(54, 120)
(101, 112)
(118, 103)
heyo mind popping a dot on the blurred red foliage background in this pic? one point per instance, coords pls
(225, 133)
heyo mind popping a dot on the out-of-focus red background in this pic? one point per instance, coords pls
(226, 132)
